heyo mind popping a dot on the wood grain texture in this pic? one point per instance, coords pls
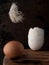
(29, 58)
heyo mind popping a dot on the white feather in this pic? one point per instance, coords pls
(15, 15)
(35, 38)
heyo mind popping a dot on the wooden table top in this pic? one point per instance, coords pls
(29, 58)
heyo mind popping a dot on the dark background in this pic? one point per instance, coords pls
(36, 14)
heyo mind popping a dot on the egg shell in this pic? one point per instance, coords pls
(35, 38)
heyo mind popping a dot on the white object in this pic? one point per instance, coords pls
(35, 38)
(15, 15)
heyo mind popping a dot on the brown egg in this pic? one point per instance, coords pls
(13, 49)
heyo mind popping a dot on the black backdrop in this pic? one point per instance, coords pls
(36, 14)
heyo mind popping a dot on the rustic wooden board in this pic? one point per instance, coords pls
(29, 58)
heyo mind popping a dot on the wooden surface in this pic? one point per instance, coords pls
(29, 58)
